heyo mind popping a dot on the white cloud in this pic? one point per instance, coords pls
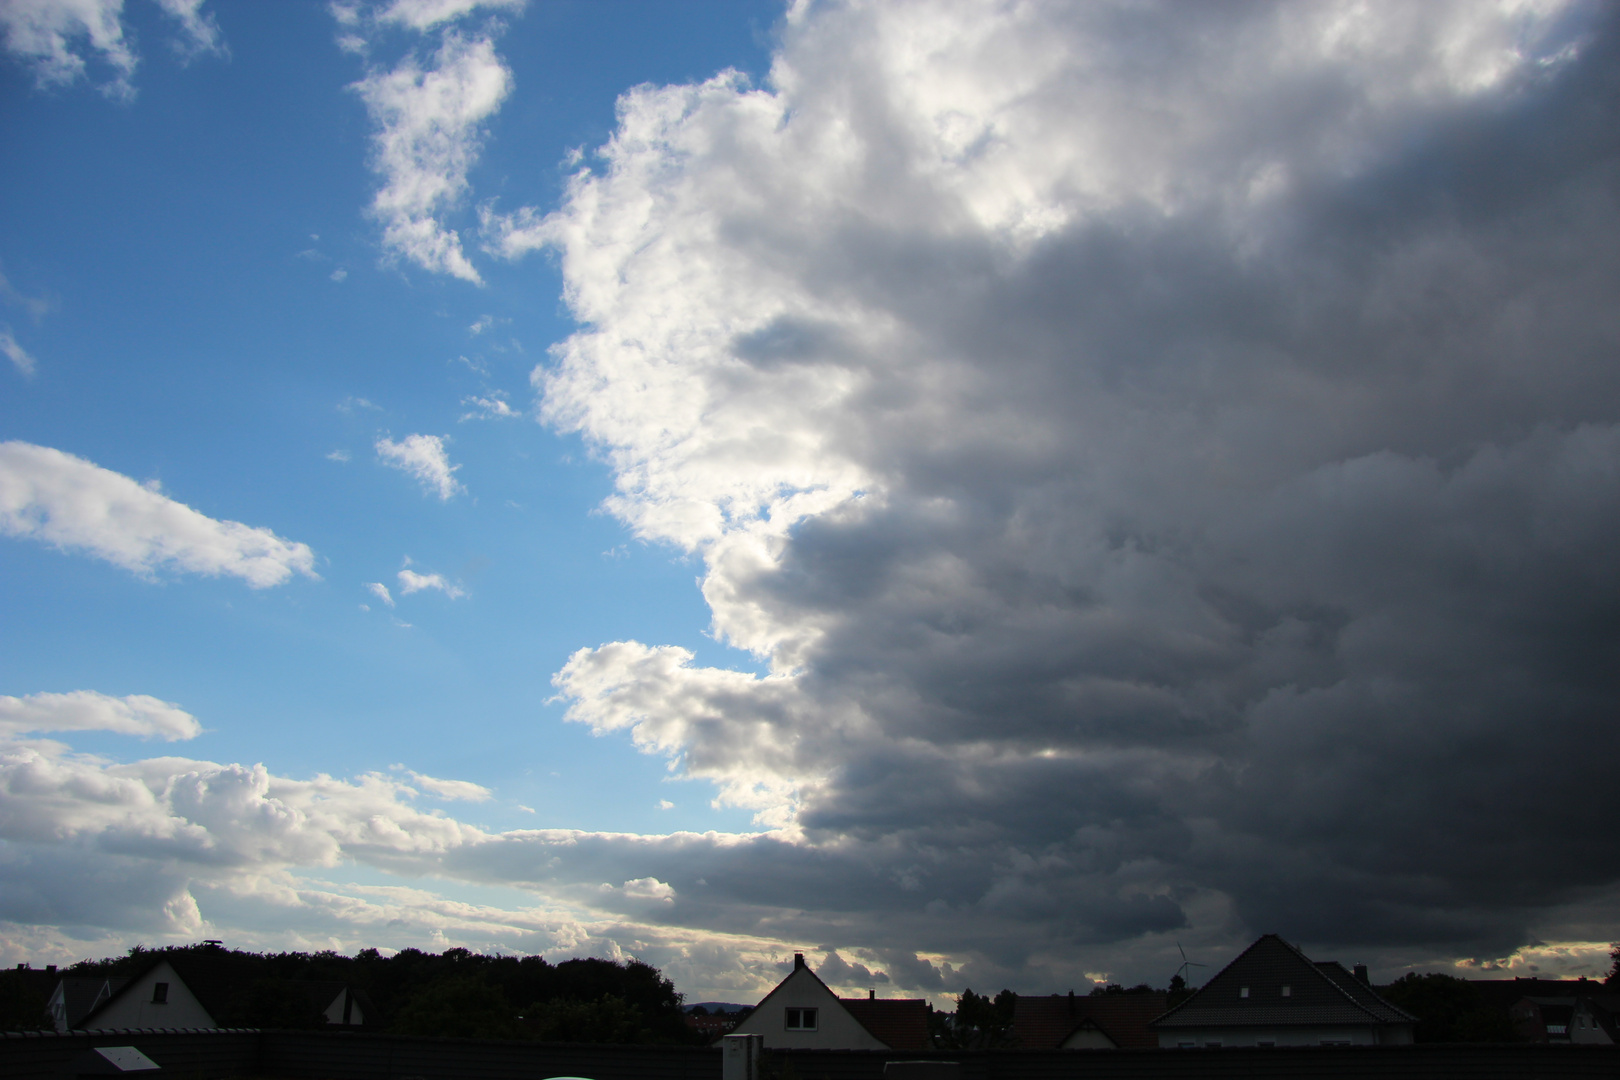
(18, 356)
(491, 407)
(201, 31)
(454, 790)
(427, 14)
(423, 457)
(380, 591)
(412, 582)
(86, 710)
(429, 128)
(339, 456)
(56, 37)
(339, 274)
(63, 500)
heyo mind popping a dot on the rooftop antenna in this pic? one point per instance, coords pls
(1185, 963)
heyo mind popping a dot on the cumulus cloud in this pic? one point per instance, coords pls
(57, 37)
(68, 502)
(1166, 457)
(19, 357)
(423, 457)
(412, 582)
(429, 126)
(86, 710)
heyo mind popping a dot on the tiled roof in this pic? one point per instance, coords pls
(1315, 994)
(1044, 1023)
(899, 1023)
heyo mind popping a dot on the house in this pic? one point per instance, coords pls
(803, 1013)
(1102, 1021)
(205, 989)
(1571, 1019)
(75, 996)
(1273, 995)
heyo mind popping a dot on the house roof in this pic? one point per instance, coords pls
(1045, 1023)
(1319, 994)
(80, 994)
(900, 1023)
(200, 989)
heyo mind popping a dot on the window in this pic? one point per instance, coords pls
(801, 1019)
(1558, 1029)
(1243, 991)
(160, 993)
(1288, 991)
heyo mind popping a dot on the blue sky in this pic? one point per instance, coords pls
(187, 241)
(979, 493)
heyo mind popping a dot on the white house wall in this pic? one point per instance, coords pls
(836, 1029)
(135, 1008)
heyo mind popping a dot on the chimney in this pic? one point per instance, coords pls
(798, 961)
(1361, 974)
(50, 969)
(871, 995)
(1071, 1002)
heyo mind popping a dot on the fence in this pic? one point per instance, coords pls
(318, 1055)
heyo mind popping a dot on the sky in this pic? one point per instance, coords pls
(984, 494)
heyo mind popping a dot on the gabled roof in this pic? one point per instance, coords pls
(899, 1023)
(82, 993)
(1046, 1023)
(1319, 994)
(88, 1021)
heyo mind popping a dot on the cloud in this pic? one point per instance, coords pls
(1165, 457)
(427, 14)
(455, 790)
(423, 457)
(380, 591)
(429, 126)
(86, 710)
(491, 407)
(412, 582)
(56, 37)
(24, 363)
(68, 502)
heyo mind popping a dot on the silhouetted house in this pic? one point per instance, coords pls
(1571, 1019)
(802, 1012)
(205, 990)
(1273, 995)
(1104, 1021)
(75, 997)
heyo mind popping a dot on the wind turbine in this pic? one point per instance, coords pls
(1181, 972)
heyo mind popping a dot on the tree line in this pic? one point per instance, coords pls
(453, 993)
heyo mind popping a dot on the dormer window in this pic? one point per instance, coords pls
(160, 993)
(800, 1019)
(1288, 991)
(1243, 991)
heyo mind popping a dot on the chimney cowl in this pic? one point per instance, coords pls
(798, 961)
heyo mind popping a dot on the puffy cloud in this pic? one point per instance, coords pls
(56, 36)
(1166, 456)
(429, 124)
(412, 582)
(423, 457)
(19, 357)
(86, 710)
(64, 500)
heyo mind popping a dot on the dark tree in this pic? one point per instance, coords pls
(1449, 1010)
(979, 1023)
